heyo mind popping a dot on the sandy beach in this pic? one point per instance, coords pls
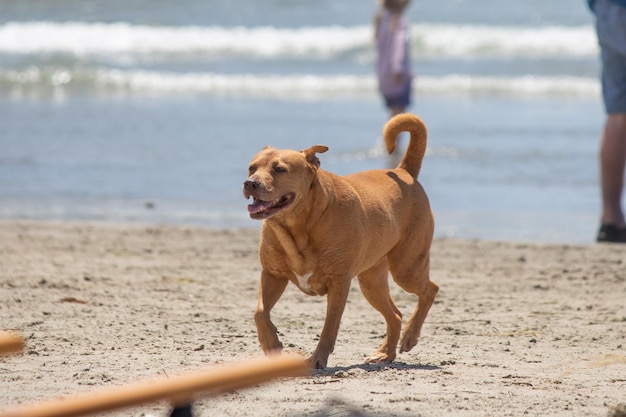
(518, 329)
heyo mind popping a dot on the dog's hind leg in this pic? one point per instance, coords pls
(270, 290)
(413, 327)
(375, 288)
(414, 278)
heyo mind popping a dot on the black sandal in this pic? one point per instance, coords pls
(611, 233)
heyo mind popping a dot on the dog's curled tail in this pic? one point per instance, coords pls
(412, 159)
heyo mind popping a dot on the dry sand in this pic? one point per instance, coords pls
(518, 329)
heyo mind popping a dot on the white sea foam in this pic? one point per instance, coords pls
(102, 38)
(314, 42)
(243, 84)
(460, 40)
(295, 86)
(527, 85)
(344, 85)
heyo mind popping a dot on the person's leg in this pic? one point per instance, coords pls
(398, 104)
(394, 111)
(396, 156)
(612, 166)
(611, 30)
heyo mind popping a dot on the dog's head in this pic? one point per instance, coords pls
(278, 179)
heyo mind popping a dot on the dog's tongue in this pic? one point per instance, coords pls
(258, 206)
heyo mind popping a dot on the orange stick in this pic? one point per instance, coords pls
(10, 342)
(178, 389)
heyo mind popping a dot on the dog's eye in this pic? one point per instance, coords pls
(279, 168)
(251, 170)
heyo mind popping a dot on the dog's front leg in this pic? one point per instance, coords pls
(336, 303)
(270, 290)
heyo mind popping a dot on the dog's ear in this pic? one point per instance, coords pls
(309, 154)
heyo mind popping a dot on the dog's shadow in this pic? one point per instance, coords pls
(374, 367)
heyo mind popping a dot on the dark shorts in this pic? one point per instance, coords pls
(402, 100)
(611, 28)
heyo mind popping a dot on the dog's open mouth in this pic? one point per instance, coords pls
(260, 209)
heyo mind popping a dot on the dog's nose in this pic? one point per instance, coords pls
(250, 185)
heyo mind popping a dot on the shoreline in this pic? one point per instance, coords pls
(517, 328)
(514, 227)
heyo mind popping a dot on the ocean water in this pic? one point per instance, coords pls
(149, 111)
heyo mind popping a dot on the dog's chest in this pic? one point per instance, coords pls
(310, 284)
(303, 282)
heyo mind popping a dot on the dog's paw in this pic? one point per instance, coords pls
(407, 343)
(318, 361)
(273, 350)
(271, 346)
(380, 357)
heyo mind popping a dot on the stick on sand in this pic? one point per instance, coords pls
(179, 389)
(10, 342)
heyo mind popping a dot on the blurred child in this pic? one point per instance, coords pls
(391, 30)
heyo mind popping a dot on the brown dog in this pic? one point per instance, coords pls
(321, 230)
